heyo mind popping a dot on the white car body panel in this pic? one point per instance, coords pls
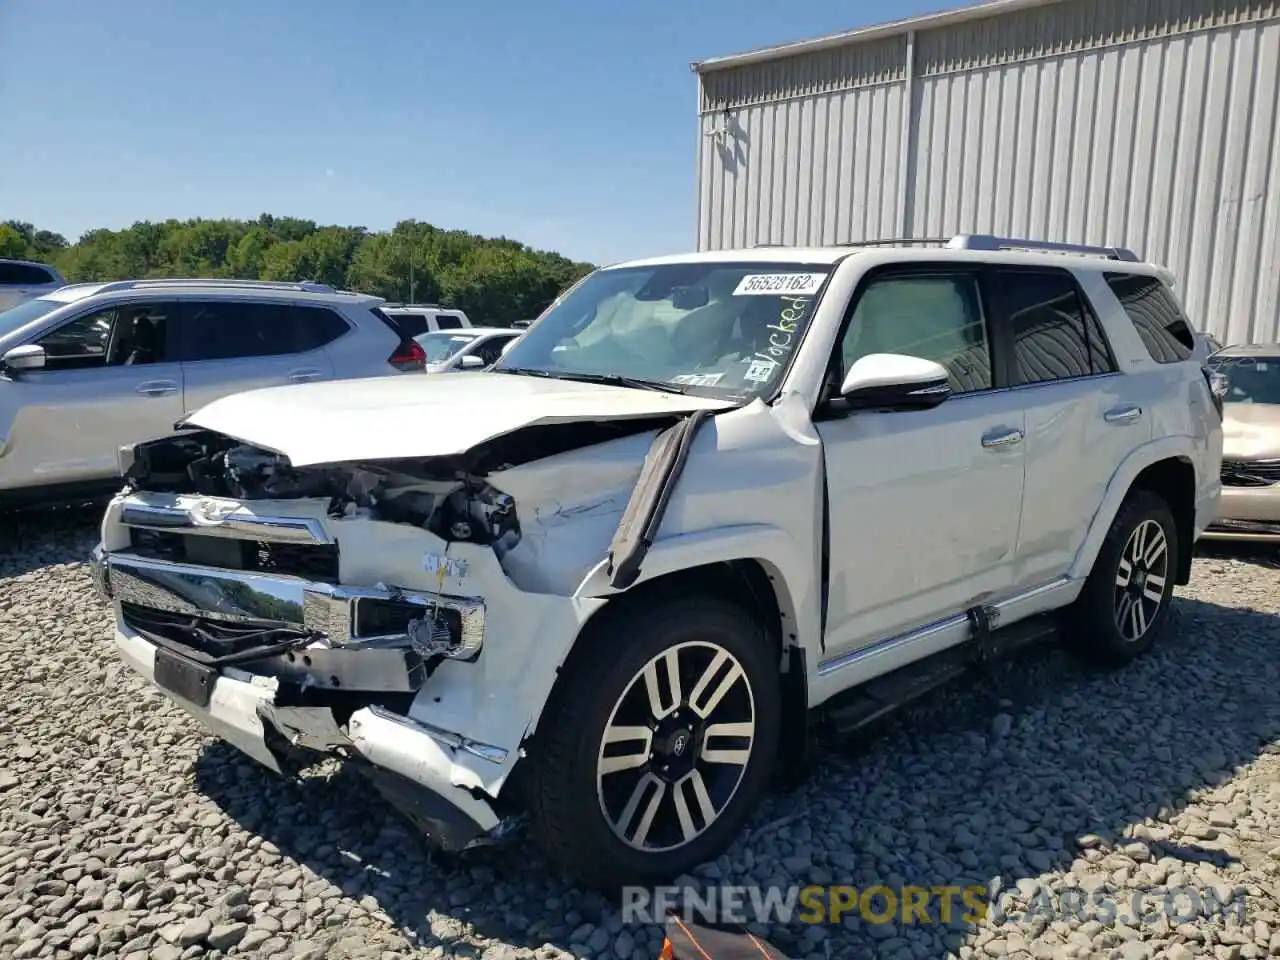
(383, 417)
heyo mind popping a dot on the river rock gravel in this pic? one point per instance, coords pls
(126, 830)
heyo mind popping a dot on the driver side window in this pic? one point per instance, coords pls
(935, 317)
(122, 335)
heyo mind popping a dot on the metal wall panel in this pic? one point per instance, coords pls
(814, 170)
(1153, 124)
(1168, 147)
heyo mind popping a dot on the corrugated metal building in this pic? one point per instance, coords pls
(1152, 124)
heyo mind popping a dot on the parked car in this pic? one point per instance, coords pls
(1250, 507)
(472, 349)
(706, 502)
(417, 319)
(89, 368)
(23, 280)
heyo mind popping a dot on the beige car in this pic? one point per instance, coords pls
(1250, 505)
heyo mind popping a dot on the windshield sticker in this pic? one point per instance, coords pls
(778, 284)
(698, 379)
(759, 370)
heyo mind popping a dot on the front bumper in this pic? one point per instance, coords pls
(412, 764)
(1246, 513)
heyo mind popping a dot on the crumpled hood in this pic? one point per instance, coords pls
(421, 416)
(1251, 431)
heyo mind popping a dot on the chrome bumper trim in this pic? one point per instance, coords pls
(330, 610)
(215, 517)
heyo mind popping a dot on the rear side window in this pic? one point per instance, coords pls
(24, 274)
(222, 330)
(448, 321)
(317, 326)
(1055, 334)
(410, 324)
(1156, 315)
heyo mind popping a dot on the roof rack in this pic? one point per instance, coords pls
(415, 306)
(301, 286)
(972, 241)
(893, 242)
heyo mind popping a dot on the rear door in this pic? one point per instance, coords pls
(228, 346)
(1082, 416)
(111, 379)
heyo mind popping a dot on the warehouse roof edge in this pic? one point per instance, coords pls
(989, 8)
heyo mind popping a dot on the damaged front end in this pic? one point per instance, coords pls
(406, 615)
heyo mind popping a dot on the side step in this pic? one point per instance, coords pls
(867, 703)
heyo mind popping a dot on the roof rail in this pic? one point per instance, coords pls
(301, 286)
(972, 241)
(892, 242)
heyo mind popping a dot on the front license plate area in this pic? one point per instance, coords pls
(184, 678)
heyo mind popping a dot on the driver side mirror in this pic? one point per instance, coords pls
(471, 362)
(893, 381)
(29, 357)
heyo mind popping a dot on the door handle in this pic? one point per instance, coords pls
(304, 375)
(1122, 415)
(158, 388)
(1001, 437)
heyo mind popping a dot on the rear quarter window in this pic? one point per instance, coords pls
(1156, 315)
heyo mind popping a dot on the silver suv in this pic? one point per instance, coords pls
(88, 368)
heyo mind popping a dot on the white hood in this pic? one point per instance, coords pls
(421, 416)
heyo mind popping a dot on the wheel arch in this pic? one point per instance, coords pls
(1165, 467)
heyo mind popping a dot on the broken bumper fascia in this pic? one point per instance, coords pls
(413, 763)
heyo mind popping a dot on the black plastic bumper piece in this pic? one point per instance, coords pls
(445, 826)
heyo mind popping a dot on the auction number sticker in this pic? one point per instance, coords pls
(779, 284)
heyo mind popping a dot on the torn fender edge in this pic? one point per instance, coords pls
(648, 504)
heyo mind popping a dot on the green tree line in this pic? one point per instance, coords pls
(495, 280)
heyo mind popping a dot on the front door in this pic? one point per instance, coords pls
(924, 506)
(109, 381)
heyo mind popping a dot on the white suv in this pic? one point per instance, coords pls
(88, 368)
(704, 500)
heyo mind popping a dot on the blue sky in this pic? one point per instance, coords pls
(568, 126)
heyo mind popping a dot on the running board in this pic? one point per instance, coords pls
(860, 706)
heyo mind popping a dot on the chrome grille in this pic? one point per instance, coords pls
(1250, 473)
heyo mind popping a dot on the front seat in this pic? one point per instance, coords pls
(145, 342)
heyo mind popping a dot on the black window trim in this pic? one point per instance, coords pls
(1004, 329)
(1000, 359)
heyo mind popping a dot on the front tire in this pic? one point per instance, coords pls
(1125, 602)
(657, 744)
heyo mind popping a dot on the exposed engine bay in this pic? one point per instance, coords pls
(450, 497)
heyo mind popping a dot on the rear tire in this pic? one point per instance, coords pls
(1125, 602)
(657, 744)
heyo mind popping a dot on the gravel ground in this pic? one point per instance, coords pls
(126, 831)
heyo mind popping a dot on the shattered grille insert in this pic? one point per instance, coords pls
(316, 562)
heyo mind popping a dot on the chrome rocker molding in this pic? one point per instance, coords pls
(213, 517)
(231, 595)
(891, 653)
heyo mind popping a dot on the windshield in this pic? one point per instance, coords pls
(24, 313)
(1249, 379)
(723, 327)
(441, 346)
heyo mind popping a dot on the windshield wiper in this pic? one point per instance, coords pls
(618, 380)
(521, 371)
